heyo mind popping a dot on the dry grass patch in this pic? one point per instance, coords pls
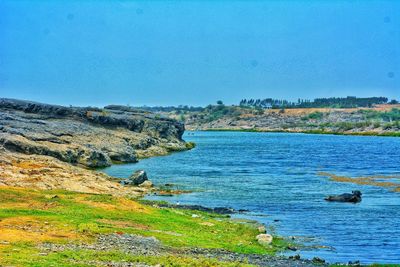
(110, 203)
(27, 164)
(33, 229)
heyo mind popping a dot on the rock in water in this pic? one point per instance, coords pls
(264, 239)
(354, 197)
(137, 178)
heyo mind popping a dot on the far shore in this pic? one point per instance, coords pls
(257, 130)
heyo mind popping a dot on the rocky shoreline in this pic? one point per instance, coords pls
(150, 246)
(55, 147)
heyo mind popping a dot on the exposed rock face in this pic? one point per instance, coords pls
(86, 137)
(44, 172)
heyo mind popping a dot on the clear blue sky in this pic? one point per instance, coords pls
(196, 52)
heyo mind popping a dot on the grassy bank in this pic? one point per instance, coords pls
(30, 217)
(387, 134)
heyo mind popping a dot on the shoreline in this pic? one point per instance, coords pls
(286, 259)
(308, 257)
(389, 134)
(79, 228)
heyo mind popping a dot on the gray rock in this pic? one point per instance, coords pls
(138, 177)
(354, 197)
(87, 136)
(264, 239)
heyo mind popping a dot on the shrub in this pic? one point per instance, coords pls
(314, 116)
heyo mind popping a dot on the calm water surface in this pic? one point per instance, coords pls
(274, 176)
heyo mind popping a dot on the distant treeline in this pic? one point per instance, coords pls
(331, 102)
(171, 108)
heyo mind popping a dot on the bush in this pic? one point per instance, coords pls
(393, 115)
(314, 116)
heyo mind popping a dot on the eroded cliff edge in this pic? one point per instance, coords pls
(50, 146)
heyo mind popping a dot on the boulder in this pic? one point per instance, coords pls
(137, 178)
(354, 197)
(264, 239)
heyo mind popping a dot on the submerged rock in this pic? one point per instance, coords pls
(354, 197)
(218, 210)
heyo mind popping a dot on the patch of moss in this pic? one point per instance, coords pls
(190, 145)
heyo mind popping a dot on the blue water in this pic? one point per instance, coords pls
(274, 176)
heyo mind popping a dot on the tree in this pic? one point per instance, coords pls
(219, 102)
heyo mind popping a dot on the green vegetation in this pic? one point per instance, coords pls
(331, 102)
(387, 134)
(317, 131)
(190, 145)
(24, 254)
(393, 115)
(372, 265)
(212, 113)
(314, 116)
(30, 217)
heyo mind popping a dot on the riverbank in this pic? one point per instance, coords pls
(381, 120)
(63, 228)
(282, 171)
(103, 225)
(47, 146)
(384, 134)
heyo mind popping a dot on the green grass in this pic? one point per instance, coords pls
(372, 265)
(75, 217)
(23, 254)
(392, 115)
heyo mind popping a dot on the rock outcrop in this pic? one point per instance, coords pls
(137, 178)
(81, 136)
